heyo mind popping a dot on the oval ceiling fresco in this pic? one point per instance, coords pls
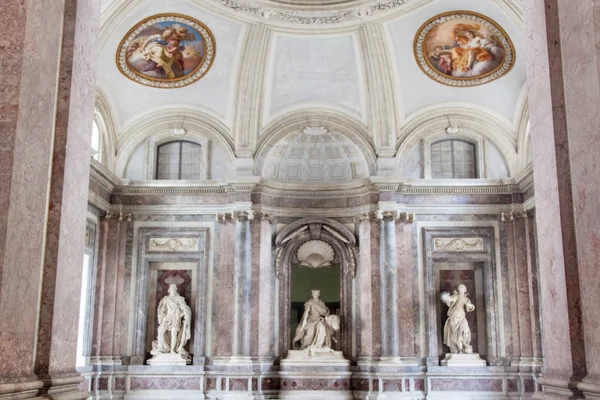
(167, 51)
(463, 48)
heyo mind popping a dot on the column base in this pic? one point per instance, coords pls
(63, 388)
(557, 388)
(590, 388)
(21, 390)
(398, 362)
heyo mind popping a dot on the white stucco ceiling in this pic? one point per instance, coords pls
(269, 65)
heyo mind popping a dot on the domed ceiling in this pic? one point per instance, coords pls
(315, 156)
(348, 61)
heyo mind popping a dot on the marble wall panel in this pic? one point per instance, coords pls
(405, 292)
(466, 385)
(376, 287)
(156, 383)
(223, 290)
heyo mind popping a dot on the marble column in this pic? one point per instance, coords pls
(365, 293)
(242, 285)
(46, 110)
(564, 94)
(267, 345)
(524, 304)
(110, 278)
(388, 270)
(405, 300)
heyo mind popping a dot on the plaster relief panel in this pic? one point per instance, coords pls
(458, 244)
(309, 69)
(173, 245)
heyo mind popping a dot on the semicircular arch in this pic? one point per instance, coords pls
(156, 124)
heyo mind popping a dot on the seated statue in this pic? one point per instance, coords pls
(457, 334)
(174, 318)
(317, 327)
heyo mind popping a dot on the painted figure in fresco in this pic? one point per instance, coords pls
(442, 59)
(466, 52)
(457, 334)
(163, 51)
(164, 54)
(469, 51)
(317, 327)
(174, 322)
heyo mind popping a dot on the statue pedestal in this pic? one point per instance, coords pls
(318, 374)
(463, 360)
(169, 359)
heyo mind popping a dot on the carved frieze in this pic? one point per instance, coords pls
(458, 244)
(173, 245)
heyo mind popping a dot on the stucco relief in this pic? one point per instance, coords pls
(458, 244)
(173, 244)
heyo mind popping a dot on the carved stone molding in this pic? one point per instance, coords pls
(293, 17)
(459, 244)
(317, 229)
(173, 245)
(315, 254)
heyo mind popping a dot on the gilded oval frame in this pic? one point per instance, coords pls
(431, 71)
(210, 50)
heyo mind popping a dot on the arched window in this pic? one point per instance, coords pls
(96, 141)
(178, 160)
(453, 159)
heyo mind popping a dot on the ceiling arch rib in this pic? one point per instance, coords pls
(383, 118)
(249, 91)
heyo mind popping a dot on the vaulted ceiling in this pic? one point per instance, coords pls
(347, 65)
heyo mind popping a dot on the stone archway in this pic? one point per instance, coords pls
(288, 241)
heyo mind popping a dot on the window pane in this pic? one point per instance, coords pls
(453, 159)
(178, 160)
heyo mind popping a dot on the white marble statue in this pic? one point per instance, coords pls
(457, 334)
(174, 325)
(317, 327)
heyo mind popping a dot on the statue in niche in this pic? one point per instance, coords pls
(317, 327)
(457, 334)
(174, 322)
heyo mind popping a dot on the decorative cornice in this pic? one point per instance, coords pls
(312, 18)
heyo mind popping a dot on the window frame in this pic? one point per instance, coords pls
(154, 164)
(480, 155)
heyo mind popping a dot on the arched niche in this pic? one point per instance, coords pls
(288, 241)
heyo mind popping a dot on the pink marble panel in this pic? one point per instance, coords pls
(223, 290)
(365, 292)
(120, 383)
(552, 178)
(315, 384)
(27, 112)
(237, 384)
(466, 385)
(165, 384)
(376, 287)
(211, 383)
(255, 284)
(405, 289)
(420, 384)
(392, 385)
(512, 385)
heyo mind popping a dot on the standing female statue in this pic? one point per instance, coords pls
(316, 327)
(457, 334)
